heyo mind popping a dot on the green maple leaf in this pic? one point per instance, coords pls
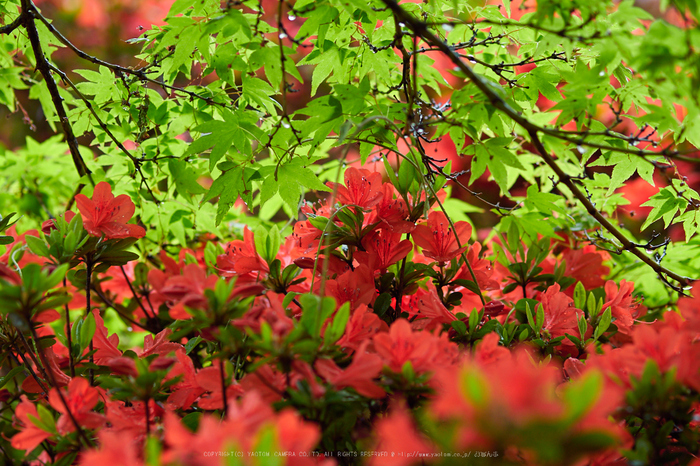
(291, 180)
(625, 166)
(665, 205)
(102, 85)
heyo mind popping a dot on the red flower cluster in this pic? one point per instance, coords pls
(340, 335)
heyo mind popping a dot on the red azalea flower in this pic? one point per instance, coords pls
(305, 239)
(560, 315)
(161, 345)
(393, 213)
(438, 240)
(209, 379)
(241, 257)
(184, 290)
(19, 239)
(422, 348)
(29, 436)
(397, 433)
(483, 270)
(130, 421)
(105, 344)
(106, 215)
(431, 309)
(362, 188)
(187, 389)
(363, 323)
(273, 313)
(303, 372)
(9, 275)
(80, 398)
(354, 286)
(586, 266)
(333, 265)
(31, 385)
(382, 249)
(187, 448)
(623, 306)
(112, 450)
(267, 382)
(358, 375)
(297, 436)
(489, 351)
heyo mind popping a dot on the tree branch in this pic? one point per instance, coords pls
(421, 29)
(28, 16)
(140, 73)
(605, 223)
(8, 28)
(486, 87)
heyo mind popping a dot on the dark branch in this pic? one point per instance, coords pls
(8, 28)
(627, 245)
(43, 66)
(421, 29)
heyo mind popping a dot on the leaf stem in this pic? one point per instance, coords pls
(71, 362)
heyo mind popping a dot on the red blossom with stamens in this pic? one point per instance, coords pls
(438, 240)
(623, 306)
(184, 290)
(241, 257)
(382, 249)
(431, 311)
(362, 188)
(393, 213)
(354, 286)
(106, 215)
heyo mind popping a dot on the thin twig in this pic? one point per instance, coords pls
(71, 362)
(88, 278)
(133, 292)
(137, 162)
(29, 367)
(140, 73)
(79, 429)
(116, 307)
